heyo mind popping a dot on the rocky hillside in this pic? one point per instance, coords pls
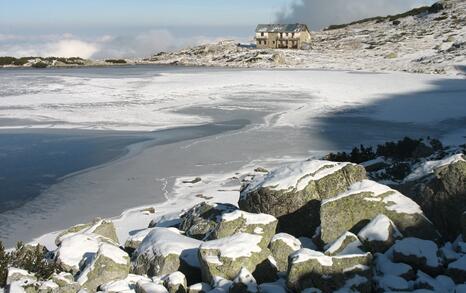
(310, 226)
(424, 40)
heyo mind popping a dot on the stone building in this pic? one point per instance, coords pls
(282, 36)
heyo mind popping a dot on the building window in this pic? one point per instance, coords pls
(262, 34)
(292, 35)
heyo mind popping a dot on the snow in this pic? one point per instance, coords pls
(74, 248)
(439, 284)
(251, 219)
(176, 278)
(353, 282)
(385, 266)
(352, 248)
(295, 176)
(245, 277)
(379, 229)
(428, 167)
(390, 283)
(306, 254)
(149, 287)
(114, 253)
(199, 287)
(163, 241)
(288, 239)
(365, 186)
(233, 247)
(420, 248)
(460, 264)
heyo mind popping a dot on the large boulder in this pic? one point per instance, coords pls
(200, 221)
(176, 282)
(457, 270)
(281, 246)
(76, 250)
(244, 222)
(104, 228)
(133, 241)
(293, 193)
(109, 264)
(362, 202)
(227, 256)
(244, 283)
(313, 269)
(348, 243)
(386, 267)
(165, 251)
(439, 187)
(65, 282)
(420, 254)
(380, 234)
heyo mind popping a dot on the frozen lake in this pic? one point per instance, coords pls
(174, 122)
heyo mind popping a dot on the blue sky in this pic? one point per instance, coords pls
(132, 28)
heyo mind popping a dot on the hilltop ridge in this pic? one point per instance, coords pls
(424, 40)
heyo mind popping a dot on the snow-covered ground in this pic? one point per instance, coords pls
(293, 114)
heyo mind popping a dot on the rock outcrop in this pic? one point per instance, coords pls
(293, 193)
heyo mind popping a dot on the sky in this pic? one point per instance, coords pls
(138, 28)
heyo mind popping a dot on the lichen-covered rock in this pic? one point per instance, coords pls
(380, 234)
(293, 193)
(176, 282)
(227, 256)
(348, 243)
(353, 209)
(244, 283)
(109, 264)
(244, 222)
(48, 287)
(420, 254)
(313, 269)
(104, 228)
(457, 270)
(199, 288)
(165, 251)
(65, 282)
(281, 246)
(439, 187)
(200, 221)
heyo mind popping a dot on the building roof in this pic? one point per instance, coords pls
(281, 28)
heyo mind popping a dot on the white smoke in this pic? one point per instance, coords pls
(322, 13)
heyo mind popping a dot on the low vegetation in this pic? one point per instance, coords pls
(30, 258)
(39, 62)
(116, 61)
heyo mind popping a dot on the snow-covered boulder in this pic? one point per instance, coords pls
(104, 228)
(293, 193)
(348, 243)
(457, 270)
(438, 284)
(15, 274)
(380, 234)
(48, 286)
(439, 187)
(76, 250)
(420, 254)
(199, 288)
(307, 268)
(133, 241)
(244, 222)
(200, 221)
(281, 246)
(384, 267)
(244, 283)
(127, 285)
(66, 282)
(362, 202)
(227, 256)
(110, 263)
(278, 286)
(150, 287)
(392, 283)
(164, 251)
(175, 282)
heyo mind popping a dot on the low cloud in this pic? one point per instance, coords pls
(322, 13)
(142, 44)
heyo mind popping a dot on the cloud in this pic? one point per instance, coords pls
(321, 13)
(141, 44)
